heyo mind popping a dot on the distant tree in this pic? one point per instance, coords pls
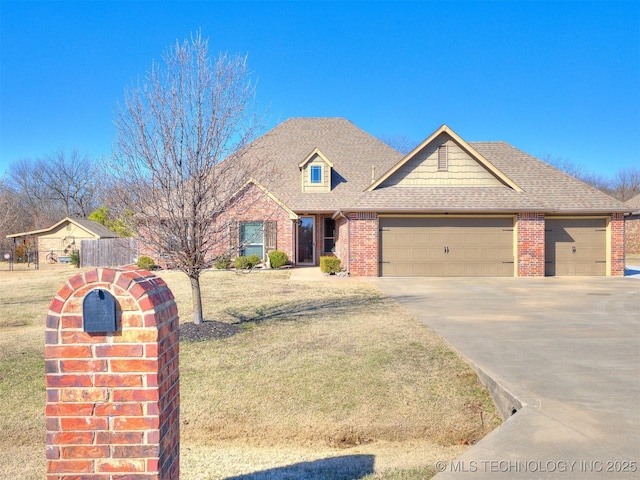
(401, 143)
(9, 211)
(177, 156)
(626, 184)
(121, 224)
(56, 186)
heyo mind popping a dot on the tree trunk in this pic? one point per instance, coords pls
(196, 298)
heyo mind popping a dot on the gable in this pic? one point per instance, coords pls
(444, 160)
(316, 172)
(442, 163)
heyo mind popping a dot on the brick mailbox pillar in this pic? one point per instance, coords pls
(113, 397)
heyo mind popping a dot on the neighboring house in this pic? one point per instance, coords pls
(632, 226)
(448, 208)
(59, 240)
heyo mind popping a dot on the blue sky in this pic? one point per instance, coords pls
(551, 78)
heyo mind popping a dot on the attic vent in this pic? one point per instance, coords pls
(443, 160)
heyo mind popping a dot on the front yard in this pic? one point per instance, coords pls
(326, 379)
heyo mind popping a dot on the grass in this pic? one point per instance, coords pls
(327, 379)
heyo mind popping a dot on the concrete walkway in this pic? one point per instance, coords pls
(563, 352)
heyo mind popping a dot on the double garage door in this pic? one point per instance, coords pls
(442, 247)
(484, 247)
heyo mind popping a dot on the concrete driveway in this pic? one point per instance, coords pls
(563, 352)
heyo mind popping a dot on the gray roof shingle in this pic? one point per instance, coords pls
(354, 152)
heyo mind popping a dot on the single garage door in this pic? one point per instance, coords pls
(575, 247)
(442, 247)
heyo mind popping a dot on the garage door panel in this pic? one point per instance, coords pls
(575, 247)
(446, 246)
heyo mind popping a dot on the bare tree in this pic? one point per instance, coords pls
(9, 213)
(180, 135)
(71, 180)
(626, 184)
(59, 185)
(401, 143)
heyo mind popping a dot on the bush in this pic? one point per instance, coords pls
(222, 263)
(253, 260)
(278, 259)
(146, 263)
(241, 262)
(329, 264)
(75, 258)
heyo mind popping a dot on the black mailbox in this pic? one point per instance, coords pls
(99, 312)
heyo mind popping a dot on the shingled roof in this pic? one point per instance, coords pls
(360, 161)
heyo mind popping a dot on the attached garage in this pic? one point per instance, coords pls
(575, 246)
(446, 247)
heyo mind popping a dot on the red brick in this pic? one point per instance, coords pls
(56, 305)
(141, 335)
(65, 291)
(118, 409)
(135, 365)
(83, 423)
(68, 380)
(119, 350)
(83, 366)
(71, 321)
(135, 423)
(69, 409)
(119, 438)
(111, 380)
(137, 451)
(107, 275)
(135, 395)
(76, 281)
(120, 465)
(70, 438)
(70, 466)
(85, 451)
(52, 452)
(91, 276)
(84, 394)
(67, 351)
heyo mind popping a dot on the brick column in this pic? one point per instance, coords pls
(616, 228)
(364, 237)
(113, 399)
(531, 245)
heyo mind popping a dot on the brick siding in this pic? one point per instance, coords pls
(616, 228)
(632, 234)
(530, 245)
(253, 205)
(364, 236)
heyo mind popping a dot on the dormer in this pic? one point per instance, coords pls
(315, 172)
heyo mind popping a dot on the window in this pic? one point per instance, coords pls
(443, 159)
(329, 235)
(251, 239)
(315, 172)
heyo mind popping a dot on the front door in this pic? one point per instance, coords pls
(306, 243)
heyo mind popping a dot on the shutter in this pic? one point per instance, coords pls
(270, 236)
(234, 237)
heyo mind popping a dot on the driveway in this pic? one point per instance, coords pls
(563, 352)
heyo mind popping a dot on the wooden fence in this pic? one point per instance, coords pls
(108, 252)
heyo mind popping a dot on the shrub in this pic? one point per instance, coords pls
(278, 259)
(222, 263)
(253, 260)
(241, 262)
(146, 263)
(75, 258)
(329, 264)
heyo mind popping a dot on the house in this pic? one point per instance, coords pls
(55, 244)
(447, 208)
(632, 226)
